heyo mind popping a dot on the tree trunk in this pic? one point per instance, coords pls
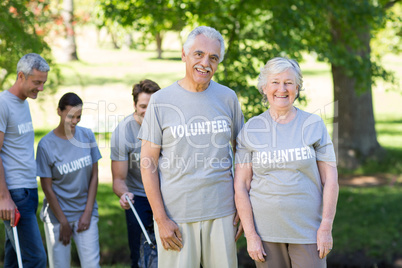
(70, 48)
(159, 39)
(355, 137)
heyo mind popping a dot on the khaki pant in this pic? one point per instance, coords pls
(210, 243)
(282, 255)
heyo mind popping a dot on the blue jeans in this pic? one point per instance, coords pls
(134, 231)
(32, 249)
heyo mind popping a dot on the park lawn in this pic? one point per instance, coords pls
(367, 224)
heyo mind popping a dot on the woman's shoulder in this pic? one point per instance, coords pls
(309, 118)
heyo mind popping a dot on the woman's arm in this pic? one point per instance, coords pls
(329, 180)
(65, 228)
(242, 181)
(85, 220)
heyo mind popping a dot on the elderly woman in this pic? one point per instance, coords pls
(286, 186)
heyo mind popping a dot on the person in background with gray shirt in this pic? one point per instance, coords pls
(18, 185)
(125, 153)
(186, 160)
(67, 164)
(286, 180)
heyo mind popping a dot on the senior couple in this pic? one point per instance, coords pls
(284, 187)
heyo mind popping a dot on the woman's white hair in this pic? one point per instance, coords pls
(209, 32)
(276, 66)
(32, 61)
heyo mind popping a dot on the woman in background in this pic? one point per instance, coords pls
(67, 164)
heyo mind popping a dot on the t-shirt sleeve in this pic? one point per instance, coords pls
(151, 129)
(238, 120)
(3, 117)
(95, 153)
(43, 165)
(243, 151)
(324, 147)
(118, 148)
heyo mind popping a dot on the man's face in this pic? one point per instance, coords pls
(141, 105)
(32, 84)
(202, 61)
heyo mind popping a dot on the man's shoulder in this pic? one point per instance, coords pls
(222, 89)
(166, 91)
(4, 96)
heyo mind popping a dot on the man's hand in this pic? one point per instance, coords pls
(170, 235)
(7, 210)
(123, 201)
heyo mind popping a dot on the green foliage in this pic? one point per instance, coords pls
(21, 32)
(258, 30)
(368, 220)
(152, 18)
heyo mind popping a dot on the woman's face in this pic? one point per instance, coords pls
(281, 89)
(70, 116)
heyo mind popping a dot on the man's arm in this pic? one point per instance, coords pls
(7, 205)
(119, 174)
(168, 230)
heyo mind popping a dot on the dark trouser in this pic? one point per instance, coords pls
(282, 255)
(31, 245)
(134, 231)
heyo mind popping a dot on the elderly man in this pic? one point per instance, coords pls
(18, 185)
(187, 137)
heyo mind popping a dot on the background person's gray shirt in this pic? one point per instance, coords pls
(69, 164)
(17, 153)
(286, 189)
(194, 130)
(125, 146)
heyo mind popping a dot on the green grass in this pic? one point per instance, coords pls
(368, 220)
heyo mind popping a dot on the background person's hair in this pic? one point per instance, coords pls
(209, 32)
(32, 61)
(144, 86)
(69, 99)
(276, 66)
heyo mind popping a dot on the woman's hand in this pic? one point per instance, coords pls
(255, 248)
(65, 233)
(324, 240)
(84, 222)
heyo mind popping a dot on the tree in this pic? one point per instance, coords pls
(153, 18)
(22, 28)
(70, 47)
(338, 31)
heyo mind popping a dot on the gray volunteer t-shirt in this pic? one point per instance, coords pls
(17, 152)
(286, 189)
(194, 130)
(69, 164)
(125, 146)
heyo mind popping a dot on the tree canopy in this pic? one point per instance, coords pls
(22, 28)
